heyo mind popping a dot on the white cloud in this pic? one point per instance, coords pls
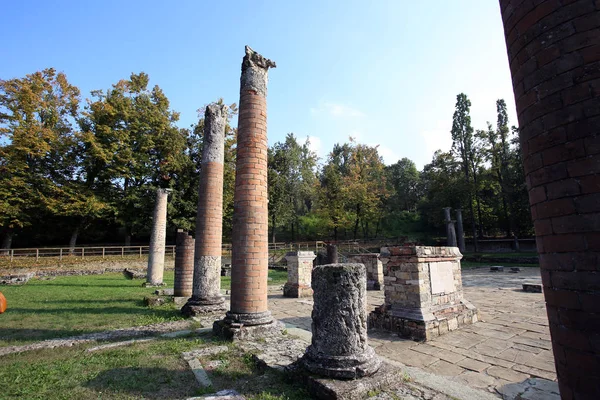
(437, 137)
(389, 156)
(336, 110)
(315, 144)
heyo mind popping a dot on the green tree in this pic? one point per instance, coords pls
(403, 180)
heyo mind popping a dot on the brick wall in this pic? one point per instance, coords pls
(554, 55)
(184, 264)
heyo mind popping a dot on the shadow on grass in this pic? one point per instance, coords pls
(98, 285)
(158, 312)
(151, 383)
(12, 334)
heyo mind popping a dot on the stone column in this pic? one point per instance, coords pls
(299, 266)
(339, 346)
(206, 293)
(450, 232)
(184, 264)
(156, 252)
(250, 254)
(460, 233)
(332, 254)
(554, 60)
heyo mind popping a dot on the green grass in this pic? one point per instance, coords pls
(74, 305)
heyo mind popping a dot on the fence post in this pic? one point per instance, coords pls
(103, 253)
(12, 254)
(140, 252)
(173, 251)
(37, 254)
(60, 254)
(122, 252)
(83, 252)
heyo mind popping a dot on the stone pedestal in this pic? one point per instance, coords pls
(206, 293)
(423, 292)
(299, 267)
(374, 268)
(250, 252)
(339, 347)
(156, 252)
(184, 264)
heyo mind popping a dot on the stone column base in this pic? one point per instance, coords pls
(195, 307)
(295, 290)
(418, 324)
(341, 367)
(154, 284)
(236, 331)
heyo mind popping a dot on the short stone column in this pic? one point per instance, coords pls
(299, 267)
(184, 264)
(339, 346)
(250, 252)
(423, 293)
(332, 254)
(156, 252)
(374, 268)
(206, 293)
(460, 232)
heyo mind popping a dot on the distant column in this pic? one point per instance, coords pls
(206, 296)
(184, 264)
(250, 253)
(450, 232)
(156, 253)
(460, 233)
(332, 254)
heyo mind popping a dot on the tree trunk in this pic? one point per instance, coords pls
(480, 226)
(6, 242)
(73, 240)
(474, 228)
(127, 236)
(357, 220)
(293, 233)
(335, 233)
(273, 228)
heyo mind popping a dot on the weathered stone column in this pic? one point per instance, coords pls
(206, 293)
(374, 268)
(250, 253)
(450, 232)
(460, 233)
(554, 60)
(156, 252)
(299, 267)
(339, 347)
(184, 264)
(332, 254)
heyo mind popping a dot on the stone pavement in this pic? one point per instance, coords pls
(510, 344)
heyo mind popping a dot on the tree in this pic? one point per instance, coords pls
(38, 158)
(403, 179)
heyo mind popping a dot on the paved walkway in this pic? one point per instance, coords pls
(510, 344)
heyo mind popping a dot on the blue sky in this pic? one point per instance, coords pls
(384, 72)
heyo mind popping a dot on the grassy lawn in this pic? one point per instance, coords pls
(151, 370)
(73, 305)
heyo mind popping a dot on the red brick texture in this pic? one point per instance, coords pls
(209, 222)
(184, 264)
(249, 257)
(554, 55)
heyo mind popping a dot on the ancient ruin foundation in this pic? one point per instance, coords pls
(299, 267)
(156, 252)
(249, 259)
(423, 292)
(206, 293)
(339, 347)
(554, 61)
(374, 268)
(184, 264)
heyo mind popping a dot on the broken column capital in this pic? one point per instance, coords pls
(254, 72)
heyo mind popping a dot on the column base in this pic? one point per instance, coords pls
(295, 290)
(154, 284)
(248, 319)
(195, 307)
(236, 331)
(341, 367)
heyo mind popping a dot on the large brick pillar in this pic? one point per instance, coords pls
(554, 55)
(156, 251)
(249, 255)
(206, 293)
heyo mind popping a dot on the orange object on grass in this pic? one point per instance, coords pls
(2, 303)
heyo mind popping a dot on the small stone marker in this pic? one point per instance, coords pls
(497, 268)
(133, 274)
(514, 270)
(532, 288)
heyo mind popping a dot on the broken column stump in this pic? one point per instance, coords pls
(184, 264)
(374, 268)
(156, 251)
(423, 293)
(339, 363)
(299, 267)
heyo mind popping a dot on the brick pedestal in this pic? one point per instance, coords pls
(299, 267)
(554, 56)
(250, 254)
(423, 292)
(156, 251)
(184, 264)
(374, 268)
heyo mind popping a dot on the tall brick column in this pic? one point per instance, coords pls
(156, 251)
(206, 295)
(554, 55)
(249, 257)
